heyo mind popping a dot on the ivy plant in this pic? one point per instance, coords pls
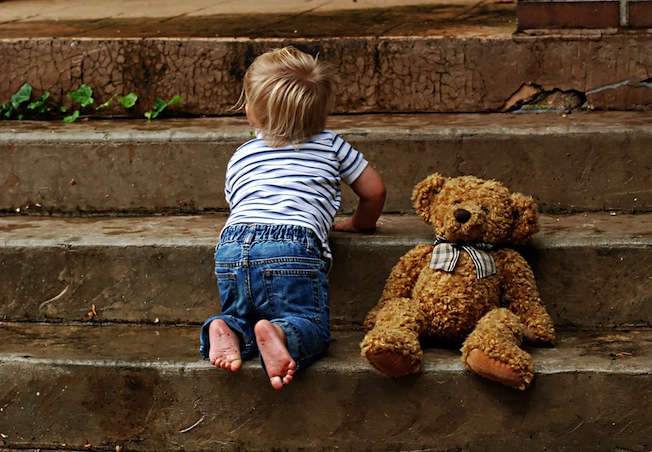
(21, 105)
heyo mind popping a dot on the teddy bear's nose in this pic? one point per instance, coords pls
(462, 215)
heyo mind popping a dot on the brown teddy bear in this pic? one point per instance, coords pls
(469, 287)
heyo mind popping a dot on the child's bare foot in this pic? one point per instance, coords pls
(224, 351)
(271, 344)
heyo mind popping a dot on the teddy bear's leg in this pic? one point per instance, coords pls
(370, 318)
(493, 350)
(392, 346)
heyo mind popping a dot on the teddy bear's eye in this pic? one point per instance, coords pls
(456, 203)
(485, 209)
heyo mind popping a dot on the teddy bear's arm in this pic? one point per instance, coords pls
(521, 296)
(401, 279)
(404, 275)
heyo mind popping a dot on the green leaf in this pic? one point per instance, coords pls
(159, 106)
(129, 100)
(107, 103)
(6, 109)
(22, 95)
(72, 118)
(40, 104)
(83, 95)
(175, 100)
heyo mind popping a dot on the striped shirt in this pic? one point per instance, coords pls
(291, 186)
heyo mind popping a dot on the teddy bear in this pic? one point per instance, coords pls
(471, 287)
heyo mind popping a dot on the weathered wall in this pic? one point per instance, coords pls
(473, 74)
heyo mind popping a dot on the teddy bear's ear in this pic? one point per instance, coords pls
(424, 193)
(526, 218)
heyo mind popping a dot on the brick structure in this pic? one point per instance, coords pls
(536, 14)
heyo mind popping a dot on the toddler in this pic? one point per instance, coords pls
(283, 188)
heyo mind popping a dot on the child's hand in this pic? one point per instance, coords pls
(371, 193)
(347, 226)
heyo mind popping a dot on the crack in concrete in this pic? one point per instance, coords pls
(532, 98)
(55, 298)
(607, 87)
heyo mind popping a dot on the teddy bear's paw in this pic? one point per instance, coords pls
(542, 335)
(392, 364)
(495, 370)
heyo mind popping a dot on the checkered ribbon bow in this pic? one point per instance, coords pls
(446, 254)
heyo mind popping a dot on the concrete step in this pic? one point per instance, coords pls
(160, 268)
(577, 162)
(80, 387)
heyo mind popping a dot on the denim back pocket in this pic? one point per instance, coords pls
(294, 293)
(228, 288)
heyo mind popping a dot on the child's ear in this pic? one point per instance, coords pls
(424, 194)
(250, 117)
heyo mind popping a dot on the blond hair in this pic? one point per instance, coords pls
(288, 94)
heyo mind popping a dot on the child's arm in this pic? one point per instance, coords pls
(370, 189)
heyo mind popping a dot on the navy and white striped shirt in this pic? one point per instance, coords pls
(291, 186)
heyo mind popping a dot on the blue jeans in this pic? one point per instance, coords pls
(273, 272)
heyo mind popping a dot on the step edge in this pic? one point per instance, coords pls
(424, 125)
(555, 230)
(548, 360)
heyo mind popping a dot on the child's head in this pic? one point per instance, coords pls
(288, 95)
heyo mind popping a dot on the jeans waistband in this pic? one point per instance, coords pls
(248, 233)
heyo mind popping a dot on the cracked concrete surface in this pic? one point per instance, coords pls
(374, 75)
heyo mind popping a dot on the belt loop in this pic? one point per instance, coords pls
(250, 234)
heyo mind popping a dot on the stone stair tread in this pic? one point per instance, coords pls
(249, 19)
(175, 347)
(203, 230)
